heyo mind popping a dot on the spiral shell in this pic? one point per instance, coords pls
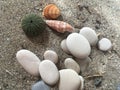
(51, 11)
(59, 26)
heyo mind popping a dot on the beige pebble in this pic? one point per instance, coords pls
(64, 46)
(90, 35)
(72, 64)
(29, 61)
(104, 44)
(81, 83)
(69, 80)
(49, 72)
(84, 64)
(78, 45)
(51, 55)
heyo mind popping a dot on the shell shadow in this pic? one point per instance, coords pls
(40, 39)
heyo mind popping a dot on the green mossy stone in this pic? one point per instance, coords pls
(33, 25)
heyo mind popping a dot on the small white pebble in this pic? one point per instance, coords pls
(51, 55)
(64, 46)
(104, 44)
(90, 35)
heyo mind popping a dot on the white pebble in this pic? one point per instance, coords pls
(64, 46)
(69, 80)
(49, 72)
(90, 35)
(51, 55)
(72, 64)
(81, 83)
(104, 44)
(29, 61)
(78, 45)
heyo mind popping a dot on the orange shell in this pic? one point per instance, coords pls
(51, 11)
(59, 26)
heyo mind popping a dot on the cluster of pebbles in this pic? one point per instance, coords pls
(77, 45)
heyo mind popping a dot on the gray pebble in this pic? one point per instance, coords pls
(40, 86)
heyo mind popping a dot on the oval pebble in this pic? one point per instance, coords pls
(40, 86)
(78, 45)
(72, 64)
(69, 80)
(104, 44)
(90, 35)
(51, 55)
(81, 83)
(49, 72)
(29, 61)
(64, 46)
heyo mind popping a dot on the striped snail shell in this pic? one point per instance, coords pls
(59, 26)
(51, 11)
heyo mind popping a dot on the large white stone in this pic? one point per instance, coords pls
(90, 35)
(64, 46)
(78, 45)
(69, 80)
(72, 64)
(49, 72)
(51, 55)
(104, 44)
(40, 86)
(29, 61)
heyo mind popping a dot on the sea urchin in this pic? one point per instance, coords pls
(33, 25)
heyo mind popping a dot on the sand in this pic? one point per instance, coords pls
(101, 15)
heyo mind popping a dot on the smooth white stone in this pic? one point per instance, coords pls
(90, 35)
(104, 44)
(51, 55)
(72, 64)
(29, 61)
(40, 86)
(49, 72)
(69, 80)
(81, 83)
(78, 45)
(64, 46)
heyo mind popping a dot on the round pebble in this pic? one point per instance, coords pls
(104, 44)
(49, 72)
(72, 64)
(40, 86)
(64, 46)
(81, 83)
(90, 35)
(69, 80)
(78, 45)
(29, 61)
(51, 55)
